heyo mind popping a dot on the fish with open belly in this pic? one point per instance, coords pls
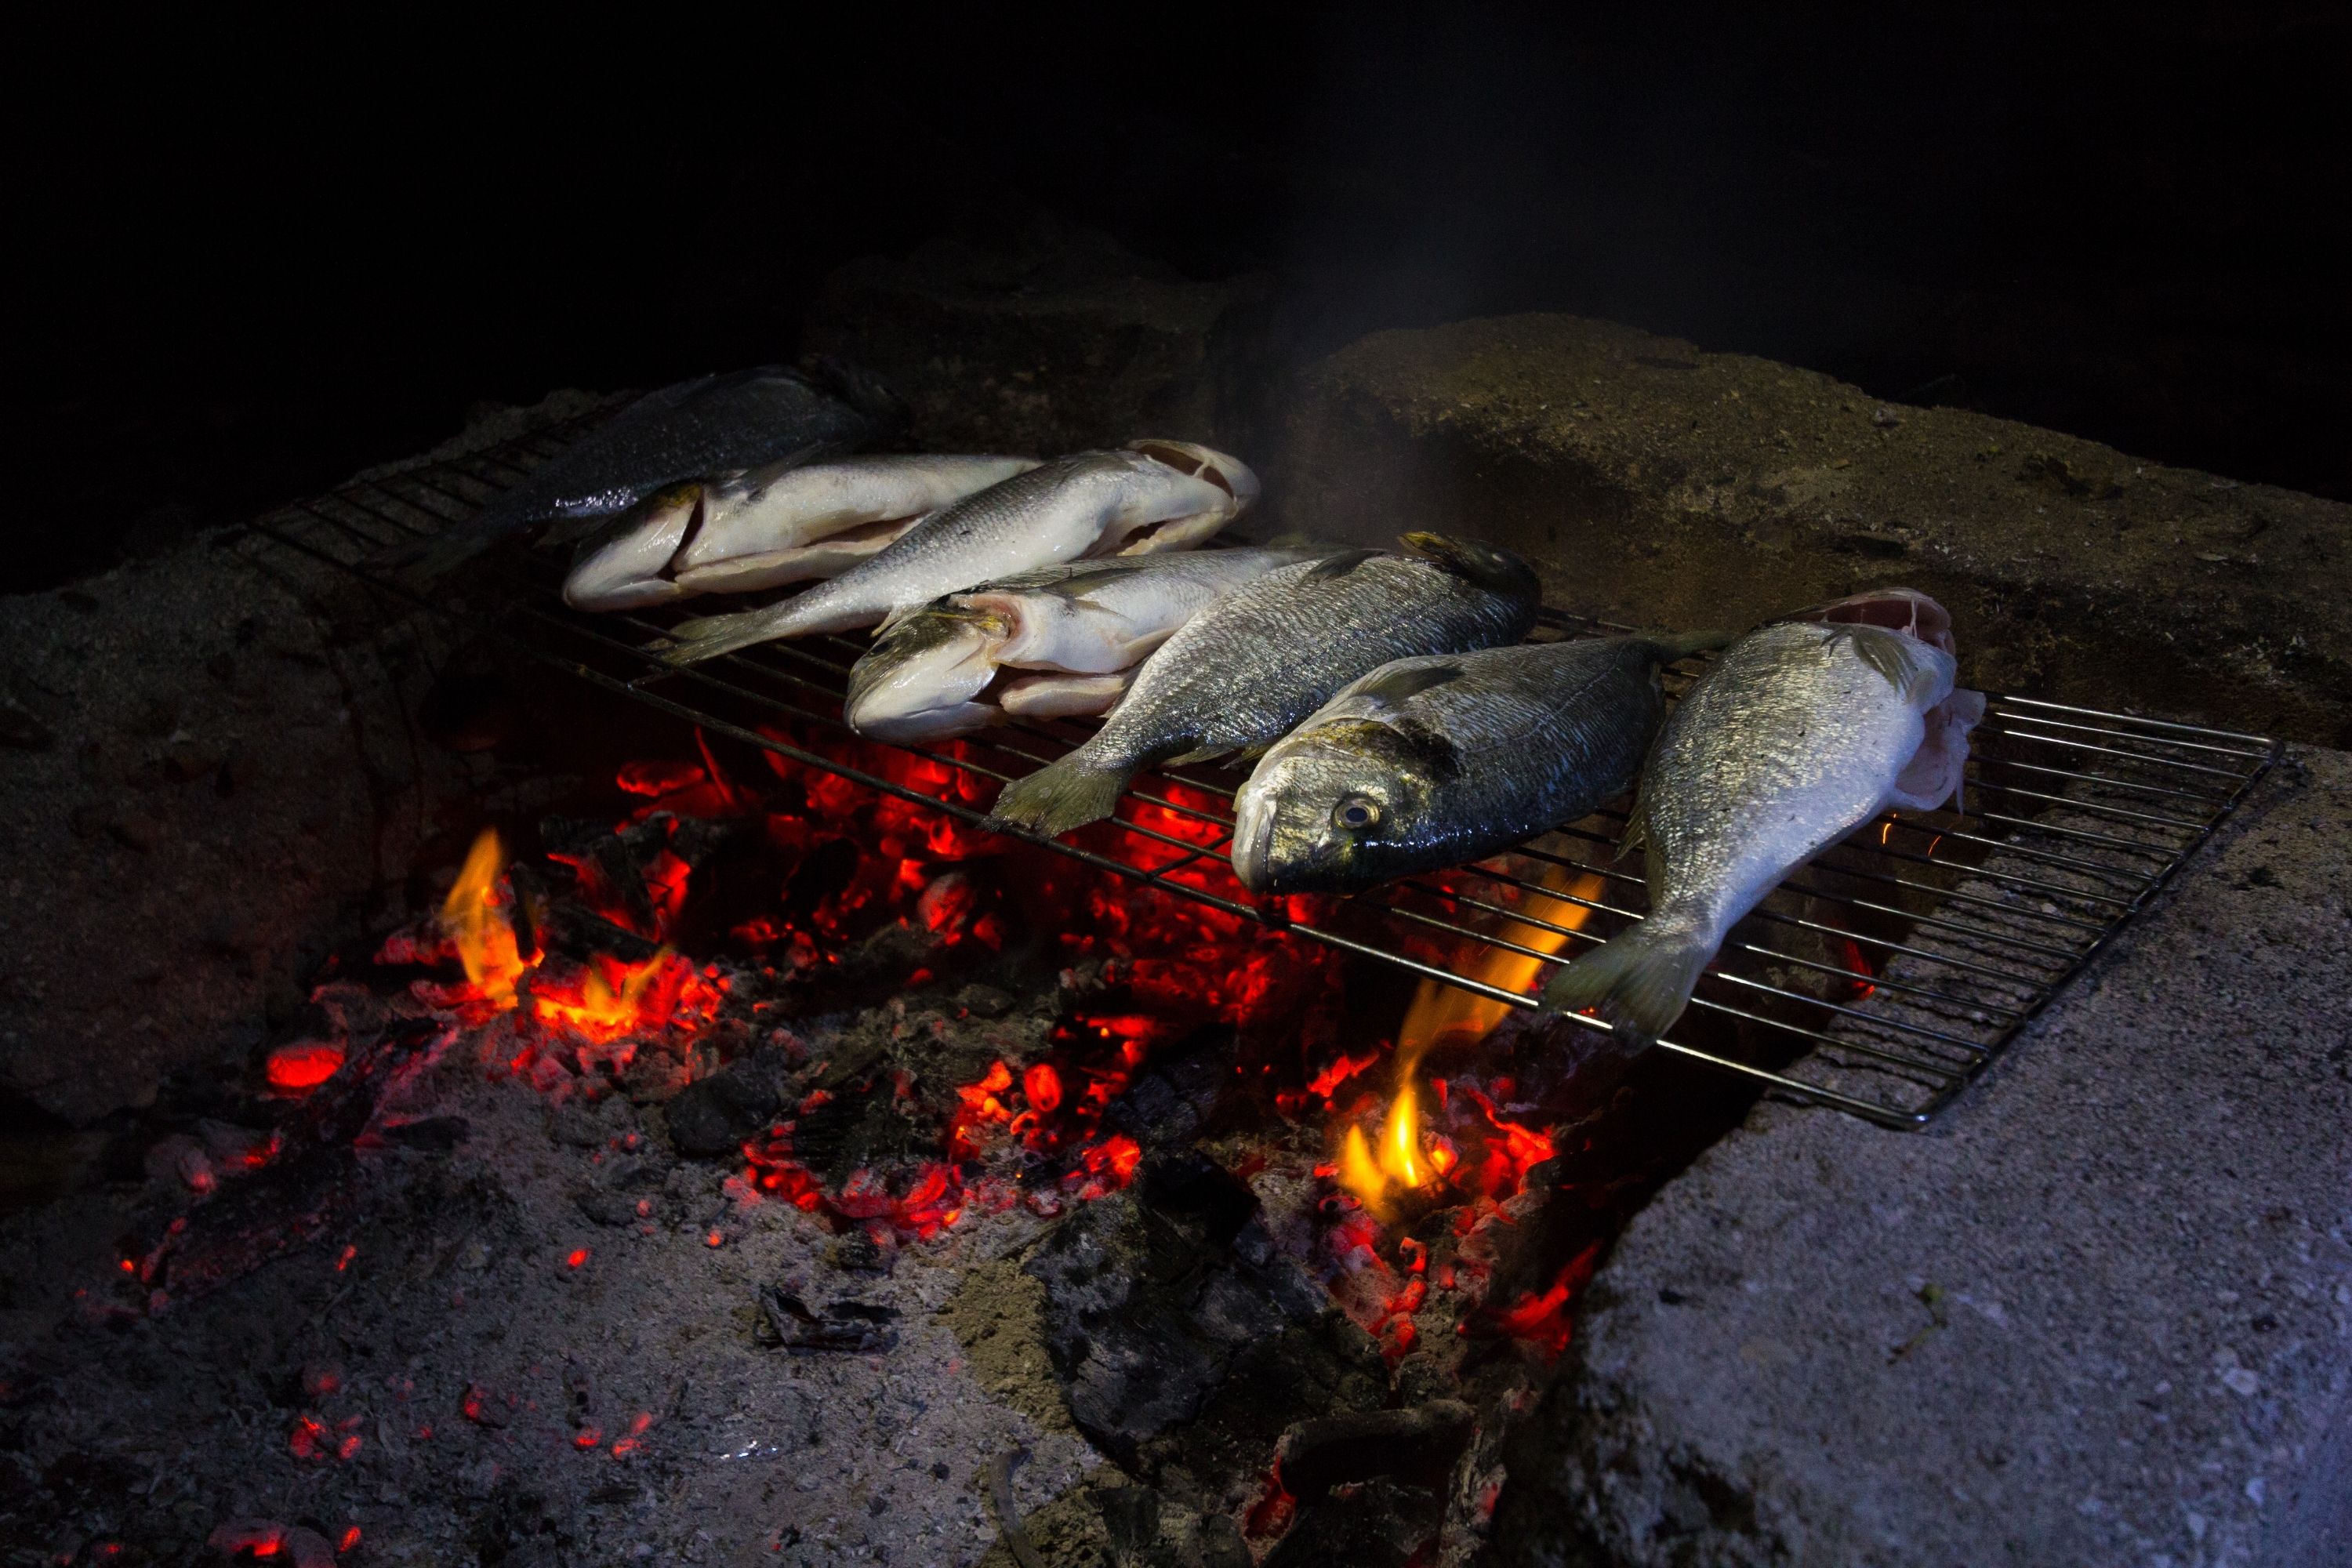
(1145, 497)
(710, 425)
(1059, 642)
(788, 522)
(1237, 678)
(1433, 761)
(1800, 733)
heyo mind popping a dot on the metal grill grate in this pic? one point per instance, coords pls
(1879, 980)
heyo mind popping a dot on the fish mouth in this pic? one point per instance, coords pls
(1254, 816)
(1223, 470)
(926, 679)
(631, 562)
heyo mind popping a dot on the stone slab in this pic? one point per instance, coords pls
(1656, 483)
(2100, 1313)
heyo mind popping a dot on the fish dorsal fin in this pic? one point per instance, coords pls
(1491, 567)
(1401, 682)
(1904, 662)
(1333, 567)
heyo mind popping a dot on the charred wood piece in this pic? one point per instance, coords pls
(858, 1327)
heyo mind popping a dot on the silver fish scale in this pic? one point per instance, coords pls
(696, 428)
(966, 542)
(1243, 673)
(1786, 744)
(1541, 729)
(752, 421)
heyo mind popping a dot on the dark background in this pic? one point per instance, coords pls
(240, 279)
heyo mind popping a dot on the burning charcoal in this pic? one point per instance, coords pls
(1153, 1294)
(564, 926)
(1166, 1105)
(826, 869)
(266, 1538)
(1376, 1525)
(1417, 1446)
(984, 1001)
(855, 1326)
(713, 1116)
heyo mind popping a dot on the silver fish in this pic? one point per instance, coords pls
(710, 425)
(1147, 495)
(1238, 676)
(1059, 642)
(1431, 761)
(1802, 732)
(788, 522)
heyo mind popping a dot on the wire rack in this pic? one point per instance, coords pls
(1881, 980)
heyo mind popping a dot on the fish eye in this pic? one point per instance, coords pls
(1356, 812)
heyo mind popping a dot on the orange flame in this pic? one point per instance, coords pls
(474, 915)
(604, 1010)
(1439, 1009)
(1406, 1159)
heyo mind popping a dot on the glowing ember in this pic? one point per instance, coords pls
(1043, 1086)
(475, 917)
(611, 999)
(302, 1065)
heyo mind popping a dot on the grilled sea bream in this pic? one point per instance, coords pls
(1237, 678)
(1801, 732)
(1431, 761)
(1145, 497)
(789, 522)
(1059, 642)
(710, 425)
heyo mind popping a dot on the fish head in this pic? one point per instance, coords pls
(921, 678)
(1903, 610)
(1337, 807)
(1210, 490)
(1221, 469)
(629, 562)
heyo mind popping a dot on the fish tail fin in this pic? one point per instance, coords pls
(707, 636)
(1639, 982)
(1061, 795)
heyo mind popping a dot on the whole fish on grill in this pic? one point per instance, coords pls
(1431, 761)
(1059, 642)
(1800, 734)
(710, 425)
(788, 522)
(1144, 497)
(1237, 677)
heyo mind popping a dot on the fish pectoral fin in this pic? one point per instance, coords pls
(903, 612)
(1199, 755)
(1904, 662)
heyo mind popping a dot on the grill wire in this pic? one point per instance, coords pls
(1880, 980)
